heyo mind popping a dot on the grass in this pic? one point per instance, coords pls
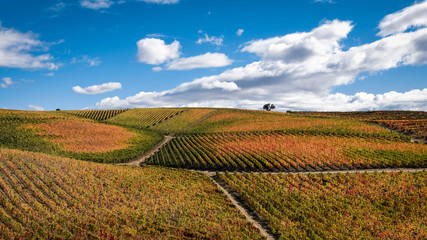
(352, 206)
(48, 197)
(61, 134)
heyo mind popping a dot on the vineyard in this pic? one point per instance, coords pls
(99, 115)
(66, 135)
(411, 123)
(144, 118)
(369, 115)
(46, 197)
(326, 206)
(230, 120)
(57, 197)
(280, 151)
(183, 120)
(416, 128)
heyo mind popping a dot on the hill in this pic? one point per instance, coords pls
(272, 167)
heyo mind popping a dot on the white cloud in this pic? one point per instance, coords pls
(50, 74)
(398, 22)
(102, 4)
(239, 32)
(59, 6)
(157, 69)
(98, 89)
(296, 47)
(297, 71)
(325, 1)
(88, 60)
(206, 60)
(16, 48)
(155, 35)
(212, 40)
(7, 81)
(415, 100)
(35, 107)
(155, 51)
(96, 4)
(161, 1)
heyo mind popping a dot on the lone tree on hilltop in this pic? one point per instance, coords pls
(269, 106)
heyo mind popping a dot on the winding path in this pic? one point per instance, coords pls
(249, 215)
(252, 217)
(146, 155)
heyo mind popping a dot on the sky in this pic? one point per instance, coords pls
(309, 55)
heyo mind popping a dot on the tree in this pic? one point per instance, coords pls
(269, 106)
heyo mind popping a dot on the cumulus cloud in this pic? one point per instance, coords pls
(98, 89)
(35, 107)
(239, 32)
(415, 100)
(96, 4)
(298, 71)
(156, 51)
(206, 60)
(7, 82)
(16, 48)
(412, 16)
(212, 40)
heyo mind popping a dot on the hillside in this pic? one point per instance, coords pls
(218, 174)
(64, 134)
(50, 197)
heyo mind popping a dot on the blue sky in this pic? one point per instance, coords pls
(300, 55)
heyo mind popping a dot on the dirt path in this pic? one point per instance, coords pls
(146, 155)
(249, 215)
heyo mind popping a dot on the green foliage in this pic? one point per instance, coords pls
(142, 118)
(143, 141)
(14, 134)
(182, 121)
(99, 115)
